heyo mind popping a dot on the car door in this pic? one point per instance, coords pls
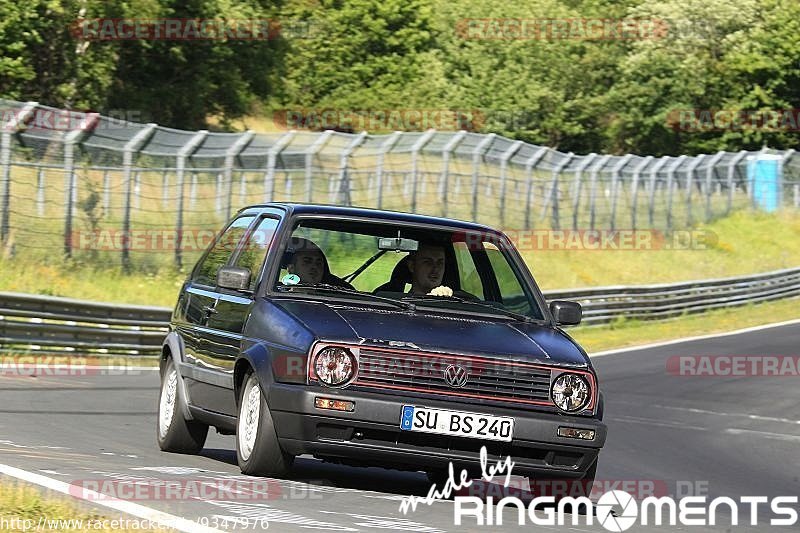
(221, 337)
(201, 300)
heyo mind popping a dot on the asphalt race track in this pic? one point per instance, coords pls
(714, 436)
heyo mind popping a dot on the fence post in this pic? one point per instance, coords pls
(106, 192)
(503, 177)
(593, 188)
(310, 153)
(576, 201)
(164, 188)
(652, 193)
(529, 166)
(476, 165)
(130, 148)
(137, 189)
(689, 182)
(385, 147)
(615, 180)
(70, 140)
(344, 158)
(9, 128)
(731, 173)
(786, 156)
(180, 167)
(553, 197)
(709, 176)
(230, 160)
(422, 141)
(272, 160)
(444, 178)
(670, 180)
(637, 172)
(40, 192)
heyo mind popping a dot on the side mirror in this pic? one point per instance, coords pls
(235, 278)
(566, 313)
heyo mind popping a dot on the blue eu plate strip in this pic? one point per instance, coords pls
(408, 416)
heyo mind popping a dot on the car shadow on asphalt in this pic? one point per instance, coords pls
(318, 473)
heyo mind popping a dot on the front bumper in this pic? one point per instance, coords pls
(371, 434)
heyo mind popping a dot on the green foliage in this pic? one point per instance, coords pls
(575, 93)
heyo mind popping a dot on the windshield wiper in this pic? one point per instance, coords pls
(425, 299)
(328, 287)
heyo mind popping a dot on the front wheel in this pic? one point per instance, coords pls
(174, 433)
(257, 448)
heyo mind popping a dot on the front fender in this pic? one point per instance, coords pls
(172, 347)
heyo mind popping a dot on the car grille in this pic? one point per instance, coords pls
(490, 379)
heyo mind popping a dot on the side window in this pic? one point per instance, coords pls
(223, 247)
(255, 249)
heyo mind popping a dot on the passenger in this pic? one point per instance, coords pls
(308, 262)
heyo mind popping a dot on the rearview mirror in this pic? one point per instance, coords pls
(235, 278)
(397, 244)
(566, 313)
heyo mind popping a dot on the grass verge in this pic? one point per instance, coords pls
(743, 243)
(25, 508)
(622, 333)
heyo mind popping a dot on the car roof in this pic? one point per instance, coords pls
(338, 210)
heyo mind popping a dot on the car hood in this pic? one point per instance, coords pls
(437, 332)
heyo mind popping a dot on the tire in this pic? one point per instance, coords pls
(173, 432)
(257, 448)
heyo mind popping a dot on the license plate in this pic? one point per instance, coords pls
(456, 423)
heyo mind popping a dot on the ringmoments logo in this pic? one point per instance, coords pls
(615, 510)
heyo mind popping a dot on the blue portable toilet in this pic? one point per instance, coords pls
(764, 179)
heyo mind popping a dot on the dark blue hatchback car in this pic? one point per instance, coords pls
(375, 338)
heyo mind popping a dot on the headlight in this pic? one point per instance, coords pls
(335, 366)
(570, 392)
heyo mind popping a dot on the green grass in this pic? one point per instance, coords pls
(20, 503)
(747, 242)
(633, 333)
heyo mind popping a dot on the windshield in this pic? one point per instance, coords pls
(448, 270)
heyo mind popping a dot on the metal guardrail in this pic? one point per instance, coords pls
(45, 323)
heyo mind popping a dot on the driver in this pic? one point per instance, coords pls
(427, 269)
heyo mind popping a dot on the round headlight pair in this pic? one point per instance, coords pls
(571, 392)
(335, 366)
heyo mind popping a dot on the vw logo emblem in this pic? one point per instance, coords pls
(455, 376)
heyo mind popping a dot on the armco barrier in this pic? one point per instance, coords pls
(47, 323)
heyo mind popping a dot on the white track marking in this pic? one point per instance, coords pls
(717, 413)
(654, 422)
(763, 434)
(690, 339)
(95, 498)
